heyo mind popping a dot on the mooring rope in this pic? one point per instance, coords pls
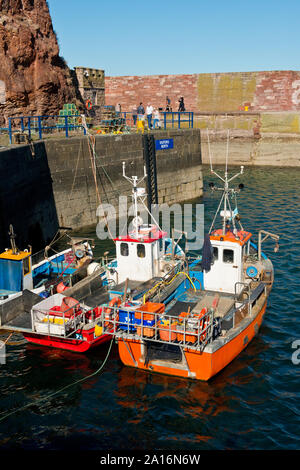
(22, 408)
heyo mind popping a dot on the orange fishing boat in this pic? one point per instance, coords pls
(197, 331)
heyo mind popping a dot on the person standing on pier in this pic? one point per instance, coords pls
(168, 104)
(141, 110)
(156, 119)
(149, 111)
(181, 108)
(134, 115)
(141, 118)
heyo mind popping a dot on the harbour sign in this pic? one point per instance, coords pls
(163, 144)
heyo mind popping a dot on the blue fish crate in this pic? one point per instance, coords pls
(138, 321)
(128, 319)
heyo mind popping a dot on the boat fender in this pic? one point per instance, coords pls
(93, 267)
(98, 331)
(61, 287)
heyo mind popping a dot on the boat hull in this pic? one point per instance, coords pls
(74, 345)
(198, 365)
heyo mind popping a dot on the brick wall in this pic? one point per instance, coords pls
(218, 92)
(130, 91)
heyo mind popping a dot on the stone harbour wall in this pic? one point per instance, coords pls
(56, 187)
(268, 150)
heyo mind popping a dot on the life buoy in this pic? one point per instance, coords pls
(88, 104)
(108, 311)
(115, 300)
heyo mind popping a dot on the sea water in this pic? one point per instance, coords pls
(252, 404)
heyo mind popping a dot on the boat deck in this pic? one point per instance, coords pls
(21, 322)
(195, 302)
(137, 288)
(16, 314)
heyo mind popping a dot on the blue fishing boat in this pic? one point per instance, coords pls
(43, 275)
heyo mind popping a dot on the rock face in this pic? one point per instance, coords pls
(34, 79)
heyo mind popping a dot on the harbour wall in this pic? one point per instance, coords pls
(265, 91)
(51, 183)
(247, 149)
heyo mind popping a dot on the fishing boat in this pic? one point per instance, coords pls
(40, 273)
(211, 314)
(80, 317)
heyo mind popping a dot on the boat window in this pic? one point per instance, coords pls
(26, 266)
(227, 256)
(124, 249)
(140, 249)
(215, 253)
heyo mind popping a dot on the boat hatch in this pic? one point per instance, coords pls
(162, 352)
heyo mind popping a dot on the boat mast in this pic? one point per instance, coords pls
(226, 190)
(135, 182)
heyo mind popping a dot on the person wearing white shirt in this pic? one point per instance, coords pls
(149, 111)
(156, 118)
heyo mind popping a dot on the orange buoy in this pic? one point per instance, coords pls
(61, 287)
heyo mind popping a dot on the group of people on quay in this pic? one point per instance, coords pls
(151, 115)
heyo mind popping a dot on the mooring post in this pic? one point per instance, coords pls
(9, 130)
(29, 127)
(40, 127)
(66, 126)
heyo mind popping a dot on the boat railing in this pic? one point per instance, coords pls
(190, 330)
(63, 323)
(241, 289)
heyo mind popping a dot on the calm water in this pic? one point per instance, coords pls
(252, 404)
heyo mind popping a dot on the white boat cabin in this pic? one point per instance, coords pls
(138, 256)
(227, 268)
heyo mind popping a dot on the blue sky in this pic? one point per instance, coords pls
(135, 37)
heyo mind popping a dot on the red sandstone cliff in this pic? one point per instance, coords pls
(34, 79)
